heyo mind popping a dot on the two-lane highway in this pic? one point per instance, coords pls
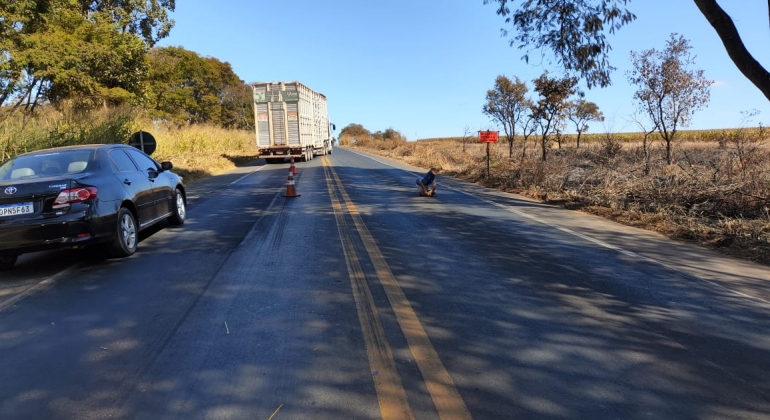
(361, 300)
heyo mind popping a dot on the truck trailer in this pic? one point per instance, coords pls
(291, 120)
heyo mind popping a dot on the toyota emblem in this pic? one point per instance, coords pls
(11, 190)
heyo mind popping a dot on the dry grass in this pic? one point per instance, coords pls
(716, 193)
(199, 152)
(196, 151)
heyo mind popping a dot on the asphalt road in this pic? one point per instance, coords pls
(360, 300)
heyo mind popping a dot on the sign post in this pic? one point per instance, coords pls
(488, 137)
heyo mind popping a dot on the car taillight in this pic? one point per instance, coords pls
(75, 195)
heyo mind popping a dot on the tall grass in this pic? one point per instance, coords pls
(67, 126)
(196, 151)
(200, 151)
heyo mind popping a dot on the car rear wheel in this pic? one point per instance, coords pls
(7, 260)
(126, 237)
(180, 211)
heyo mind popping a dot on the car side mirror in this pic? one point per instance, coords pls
(167, 166)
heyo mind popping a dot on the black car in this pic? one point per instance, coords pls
(82, 195)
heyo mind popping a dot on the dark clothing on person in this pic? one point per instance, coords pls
(426, 184)
(428, 179)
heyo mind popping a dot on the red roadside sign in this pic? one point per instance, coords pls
(488, 136)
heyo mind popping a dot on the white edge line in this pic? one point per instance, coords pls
(245, 175)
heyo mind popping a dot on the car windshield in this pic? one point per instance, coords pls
(46, 164)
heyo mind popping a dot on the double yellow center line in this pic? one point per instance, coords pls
(391, 394)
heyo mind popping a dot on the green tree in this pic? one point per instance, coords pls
(580, 112)
(186, 88)
(391, 134)
(548, 111)
(574, 30)
(147, 19)
(19, 18)
(668, 91)
(237, 107)
(354, 132)
(88, 61)
(92, 52)
(506, 105)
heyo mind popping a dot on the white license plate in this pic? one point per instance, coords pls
(16, 209)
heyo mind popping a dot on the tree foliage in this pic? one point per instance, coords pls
(507, 104)
(548, 111)
(574, 30)
(355, 131)
(237, 107)
(669, 92)
(186, 88)
(92, 52)
(147, 19)
(390, 134)
(580, 112)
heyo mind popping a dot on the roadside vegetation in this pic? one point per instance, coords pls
(708, 187)
(90, 72)
(196, 150)
(717, 194)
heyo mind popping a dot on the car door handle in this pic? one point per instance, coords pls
(127, 182)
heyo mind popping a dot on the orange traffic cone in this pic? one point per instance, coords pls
(293, 168)
(291, 189)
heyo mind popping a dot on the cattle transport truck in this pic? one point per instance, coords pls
(291, 121)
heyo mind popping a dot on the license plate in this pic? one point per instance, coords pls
(16, 209)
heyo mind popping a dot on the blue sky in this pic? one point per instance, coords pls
(423, 67)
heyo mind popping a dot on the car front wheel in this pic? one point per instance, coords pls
(126, 237)
(180, 210)
(7, 260)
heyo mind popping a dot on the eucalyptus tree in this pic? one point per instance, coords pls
(580, 112)
(668, 91)
(549, 110)
(506, 105)
(528, 126)
(575, 31)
